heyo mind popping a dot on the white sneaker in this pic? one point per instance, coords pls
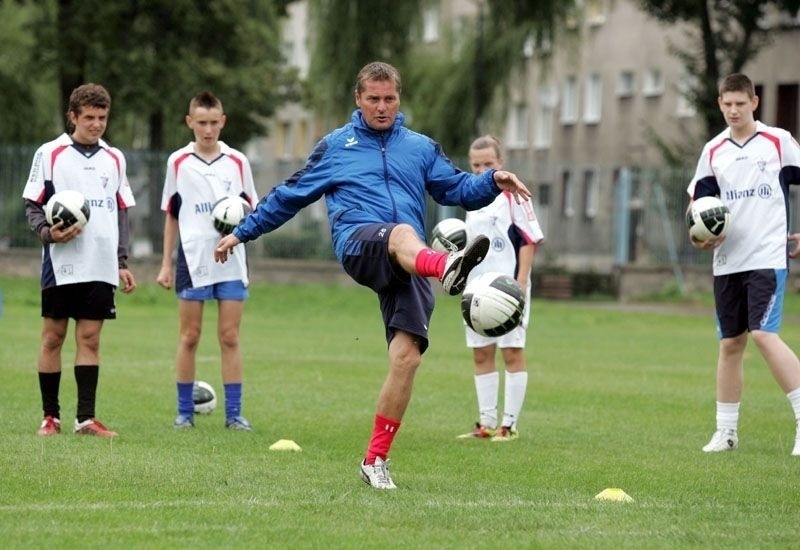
(723, 440)
(796, 450)
(459, 264)
(377, 475)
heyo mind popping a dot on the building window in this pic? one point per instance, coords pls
(567, 209)
(593, 99)
(590, 194)
(653, 83)
(569, 104)
(543, 129)
(285, 141)
(686, 107)
(595, 14)
(430, 24)
(626, 84)
(517, 130)
(786, 112)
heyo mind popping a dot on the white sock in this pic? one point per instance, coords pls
(727, 416)
(794, 399)
(487, 386)
(516, 385)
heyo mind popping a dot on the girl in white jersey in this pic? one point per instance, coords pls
(81, 267)
(513, 231)
(750, 167)
(198, 175)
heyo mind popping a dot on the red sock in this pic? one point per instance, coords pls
(430, 263)
(382, 436)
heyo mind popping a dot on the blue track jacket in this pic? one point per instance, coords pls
(369, 176)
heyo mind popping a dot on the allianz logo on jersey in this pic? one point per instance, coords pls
(763, 191)
(203, 207)
(107, 202)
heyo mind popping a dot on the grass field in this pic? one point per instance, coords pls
(616, 398)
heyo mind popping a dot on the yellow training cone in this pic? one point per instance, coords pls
(613, 493)
(285, 445)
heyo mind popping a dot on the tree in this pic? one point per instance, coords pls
(23, 81)
(153, 55)
(445, 95)
(724, 37)
(452, 95)
(348, 34)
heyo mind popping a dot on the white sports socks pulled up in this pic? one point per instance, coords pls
(487, 387)
(516, 385)
(727, 416)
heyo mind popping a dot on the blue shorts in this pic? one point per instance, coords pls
(227, 290)
(406, 300)
(750, 300)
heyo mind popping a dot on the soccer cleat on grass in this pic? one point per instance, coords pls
(183, 422)
(505, 433)
(796, 450)
(377, 475)
(238, 423)
(94, 427)
(50, 426)
(478, 432)
(459, 264)
(722, 440)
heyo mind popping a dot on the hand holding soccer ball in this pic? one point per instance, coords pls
(709, 220)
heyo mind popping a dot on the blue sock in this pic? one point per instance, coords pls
(185, 399)
(233, 400)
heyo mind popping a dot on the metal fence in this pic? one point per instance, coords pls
(594, 218)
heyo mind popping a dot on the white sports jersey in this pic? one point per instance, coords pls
(101, 177)
(509, 226)
(191, 188)
(753, 181)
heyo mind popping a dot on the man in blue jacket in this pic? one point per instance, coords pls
(374, 173)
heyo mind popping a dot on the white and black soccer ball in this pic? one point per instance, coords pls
(228, 212)
(492, 304)
(449, 230)
(204, 396)
(68, 206)
(708, 217)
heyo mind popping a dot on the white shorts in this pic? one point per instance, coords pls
(514, 339)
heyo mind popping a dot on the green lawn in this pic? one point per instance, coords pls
(615, 399)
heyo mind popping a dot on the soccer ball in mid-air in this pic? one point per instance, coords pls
(708, 217)
(204, 396)
(68, 206)
(449, 230)
(492, 304)
(228, 212)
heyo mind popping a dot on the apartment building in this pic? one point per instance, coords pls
(579, 119)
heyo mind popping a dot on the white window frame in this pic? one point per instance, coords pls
(626, 84)
(591, 194)
(545, 113)
(567, 194)
(517, 126)
(685, 108)
(570, 101)
(593, 99)
(652, 82)
(430, 24)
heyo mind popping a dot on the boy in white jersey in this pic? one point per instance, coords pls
(513, 231)
(81, 267)
(198, 175)
(750, 167)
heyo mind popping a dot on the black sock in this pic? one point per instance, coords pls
(49, 382)
(86, 379)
